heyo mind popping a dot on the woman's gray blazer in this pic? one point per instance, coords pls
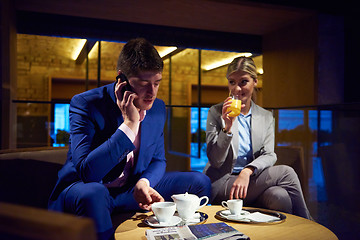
(222, 148)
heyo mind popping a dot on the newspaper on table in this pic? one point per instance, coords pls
(210, 231)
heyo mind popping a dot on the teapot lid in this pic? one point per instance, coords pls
(184, 196)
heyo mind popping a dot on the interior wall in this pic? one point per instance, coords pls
(65, 89)
(7, 74)
(351, 58)
(210, 94)
(331, 60)
(290, 75)
(289, 61)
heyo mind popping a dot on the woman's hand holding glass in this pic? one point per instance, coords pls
(235, 106)
(231, 109)
(225, 114)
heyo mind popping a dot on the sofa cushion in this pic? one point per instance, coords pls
(27, 182)
(27, 176)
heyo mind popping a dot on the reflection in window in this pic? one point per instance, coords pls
(326, 121)
(318, 173)
(198, 164)
(290, 119)
(293, 131)
(290, 126)
(60, 134)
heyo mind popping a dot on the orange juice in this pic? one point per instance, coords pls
(235, 107)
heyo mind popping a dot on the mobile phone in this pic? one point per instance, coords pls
(127, 86)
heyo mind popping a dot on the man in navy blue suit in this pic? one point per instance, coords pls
(116, 159)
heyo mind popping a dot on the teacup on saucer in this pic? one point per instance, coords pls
(153, 222)
(227, 213)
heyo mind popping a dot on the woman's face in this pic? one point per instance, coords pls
(241, 84)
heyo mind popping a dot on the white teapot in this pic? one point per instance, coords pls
(187, 204)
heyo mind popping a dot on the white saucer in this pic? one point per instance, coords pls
(227, 214)
(153, 222)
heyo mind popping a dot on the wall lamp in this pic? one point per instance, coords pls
(224, 62)
(85, 47)
(167, 51)
(77, 48)
(88, 45)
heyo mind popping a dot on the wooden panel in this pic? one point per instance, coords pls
(67, 88)
(289, 62)
(209, 94)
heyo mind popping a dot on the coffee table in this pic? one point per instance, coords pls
(293, 227)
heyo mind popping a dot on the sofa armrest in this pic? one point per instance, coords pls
(293, 156)
(45, 154)
(21, 222)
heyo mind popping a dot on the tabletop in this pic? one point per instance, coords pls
(293, 227)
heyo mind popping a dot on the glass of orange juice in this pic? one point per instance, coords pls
(235, 106)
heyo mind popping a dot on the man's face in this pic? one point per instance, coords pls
(145, 85)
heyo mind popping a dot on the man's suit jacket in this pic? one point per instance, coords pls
(97, 145)
(222, 149)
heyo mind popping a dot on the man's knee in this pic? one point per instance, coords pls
(93, 194)
(91, 200)
(201, 182)
(202, 178)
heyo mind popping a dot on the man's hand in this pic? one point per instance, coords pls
(126, 105)
(241, 184)
(146, 195)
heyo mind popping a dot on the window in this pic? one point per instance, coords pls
(198, 160)
(61, 130)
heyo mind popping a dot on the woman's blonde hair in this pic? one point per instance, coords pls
(245, 64)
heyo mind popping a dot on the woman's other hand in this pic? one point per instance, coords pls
(241, 184)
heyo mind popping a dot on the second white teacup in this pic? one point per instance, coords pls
(234, 205)
(164, 211)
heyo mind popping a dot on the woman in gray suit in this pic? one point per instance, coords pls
(241, 150)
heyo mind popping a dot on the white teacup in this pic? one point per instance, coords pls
(234, 205)
(163, 211)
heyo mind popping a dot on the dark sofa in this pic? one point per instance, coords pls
(27, 177)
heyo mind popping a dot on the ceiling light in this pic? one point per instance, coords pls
(224, 61)
(92, 53)
(167, 51)
(77, 48)
(260, 71)
(84, 53)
